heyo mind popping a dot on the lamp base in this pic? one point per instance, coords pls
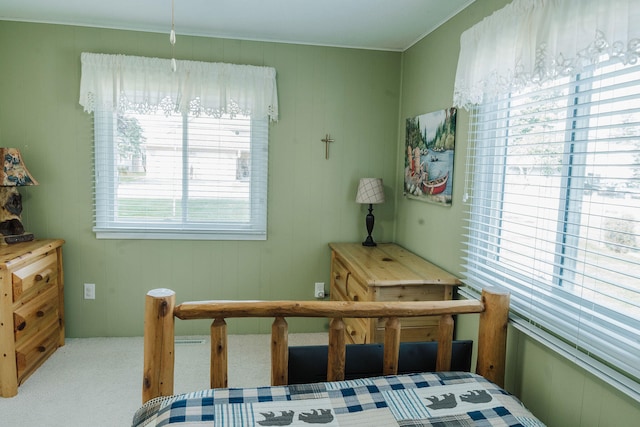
(369, 242)
(16, 238)
(369, 221)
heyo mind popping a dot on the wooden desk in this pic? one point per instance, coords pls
(387, 272)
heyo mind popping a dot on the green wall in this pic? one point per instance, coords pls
(560, 393)
(351, 94)
(361, 97)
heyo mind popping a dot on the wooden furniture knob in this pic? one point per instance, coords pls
(43, 275)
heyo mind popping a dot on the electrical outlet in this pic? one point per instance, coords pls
(89, 291)
(319, 290)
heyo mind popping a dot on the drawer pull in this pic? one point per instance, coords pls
(40, 313)
(21, 326)
(42, 348)
(44, 275)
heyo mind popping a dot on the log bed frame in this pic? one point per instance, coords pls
(161, 311)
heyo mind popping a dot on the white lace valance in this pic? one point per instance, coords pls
(146, 84)
(538, 40)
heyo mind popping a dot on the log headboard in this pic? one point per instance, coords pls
(161, 311)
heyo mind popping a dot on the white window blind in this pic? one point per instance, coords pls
(180, 176)
(553, 192)
(179, 154)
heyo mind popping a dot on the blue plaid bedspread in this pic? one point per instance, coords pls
(416, 400)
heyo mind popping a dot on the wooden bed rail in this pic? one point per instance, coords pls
(159, 333)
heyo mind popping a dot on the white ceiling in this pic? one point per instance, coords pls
(368, 24)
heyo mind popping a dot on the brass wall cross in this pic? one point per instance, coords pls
(327, 139)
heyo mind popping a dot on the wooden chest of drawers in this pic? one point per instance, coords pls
(387, 272)
(31, 309)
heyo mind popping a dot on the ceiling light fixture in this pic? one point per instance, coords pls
(172, 38)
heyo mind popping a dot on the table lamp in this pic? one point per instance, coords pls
(14, 174)
(371, 191)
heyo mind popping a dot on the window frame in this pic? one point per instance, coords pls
(108, 226)
(543, 320)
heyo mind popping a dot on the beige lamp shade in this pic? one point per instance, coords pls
(370, 190)
(14, 172)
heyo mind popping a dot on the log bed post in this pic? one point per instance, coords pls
(445, 343)
(492, 336)
(218, 373)
(158, 344)
(279, 352)
(391, 346)
(337, 350)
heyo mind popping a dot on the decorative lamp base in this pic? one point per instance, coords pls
(16, 238)
(370, 220)
(369, 242)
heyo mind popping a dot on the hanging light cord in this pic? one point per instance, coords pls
(172, 38)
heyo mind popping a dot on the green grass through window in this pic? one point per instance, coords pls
(200, 210)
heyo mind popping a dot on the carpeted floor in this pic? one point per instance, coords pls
(96, 382)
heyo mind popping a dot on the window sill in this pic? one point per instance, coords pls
(177, 235)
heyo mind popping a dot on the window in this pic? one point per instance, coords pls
(160, 175)
(179, 154)
(554, 214)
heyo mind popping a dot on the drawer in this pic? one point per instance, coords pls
(413, 322)
(413, 293)
(336, 295)
(412, 334)
(35, 315)
(424, 328)
(356, 330)
(42, 271)
(35, 349)
(340, 275)
(356, 291)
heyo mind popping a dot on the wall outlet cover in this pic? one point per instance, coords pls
(89, 291)
(319, 290)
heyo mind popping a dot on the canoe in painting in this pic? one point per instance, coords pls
(435, 186)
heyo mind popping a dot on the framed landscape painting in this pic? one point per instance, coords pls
(429, 152)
